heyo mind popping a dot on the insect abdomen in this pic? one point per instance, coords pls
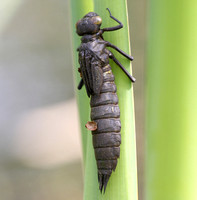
(106, 139)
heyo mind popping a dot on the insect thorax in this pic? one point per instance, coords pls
(96, 47)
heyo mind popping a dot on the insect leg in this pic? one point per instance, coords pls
(115, 27)
(81, 83)
(119, 50)
(121, 66)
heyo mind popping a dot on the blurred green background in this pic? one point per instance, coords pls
(40, 150)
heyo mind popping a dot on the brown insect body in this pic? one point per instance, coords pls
(106, 139)
(98, 79)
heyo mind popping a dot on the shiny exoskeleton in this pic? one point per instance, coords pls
(98, 79)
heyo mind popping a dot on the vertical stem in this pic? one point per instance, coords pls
(123, 182)
(171, 101)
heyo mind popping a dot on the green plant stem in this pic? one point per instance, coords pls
(123, 182)
(171, 101)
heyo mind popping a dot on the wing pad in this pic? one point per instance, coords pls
(91, 72)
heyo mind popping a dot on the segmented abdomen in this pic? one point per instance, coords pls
(106, 139)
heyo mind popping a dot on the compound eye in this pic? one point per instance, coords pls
(97, 20)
